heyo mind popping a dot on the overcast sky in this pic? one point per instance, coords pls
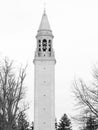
(75, 27)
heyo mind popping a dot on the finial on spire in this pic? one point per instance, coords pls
(44, 7)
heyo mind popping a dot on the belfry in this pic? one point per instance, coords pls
(44, 78)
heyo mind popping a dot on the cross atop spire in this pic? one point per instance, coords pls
(44, 25)
(44, 7)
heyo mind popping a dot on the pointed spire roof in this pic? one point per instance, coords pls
(44, 25)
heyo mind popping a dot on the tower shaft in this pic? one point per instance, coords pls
(44, 108)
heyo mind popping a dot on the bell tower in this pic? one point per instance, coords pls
(44, 78)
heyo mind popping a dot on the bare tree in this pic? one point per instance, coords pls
(87, 97)
(11, 93)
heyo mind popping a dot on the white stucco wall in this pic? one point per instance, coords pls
(44, 95)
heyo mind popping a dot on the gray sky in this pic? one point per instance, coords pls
(75, 27)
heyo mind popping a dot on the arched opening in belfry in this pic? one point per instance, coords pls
(44, 44)
(39, 45)
(49, 45)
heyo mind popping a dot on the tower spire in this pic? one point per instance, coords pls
(44, 25)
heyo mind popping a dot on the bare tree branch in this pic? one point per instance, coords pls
(11, 93)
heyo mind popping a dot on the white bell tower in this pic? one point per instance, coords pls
(44, 78)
